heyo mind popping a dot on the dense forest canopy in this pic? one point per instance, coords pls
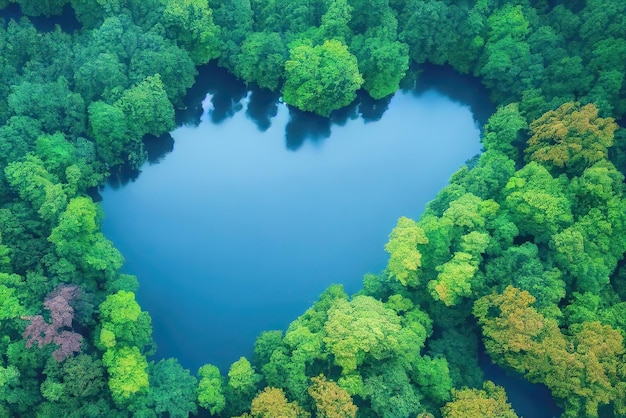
(523, 250)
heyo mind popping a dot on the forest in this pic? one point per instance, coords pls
(521, 253)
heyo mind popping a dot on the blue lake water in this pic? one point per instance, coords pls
(259, 207)
(233, 233)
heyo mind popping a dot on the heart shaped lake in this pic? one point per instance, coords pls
(259, 208)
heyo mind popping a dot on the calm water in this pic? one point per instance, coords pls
(259, 208)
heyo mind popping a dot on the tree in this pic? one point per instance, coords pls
(505, 131)
(454, 279)
(147, 108)
(509, 317)
(76, 239)
(10, 306)
(590, 249)
(432, 375)
(171, 391)
(382, 61)
(52, 103)
(156, 56)
(488, 402)
(405, 259)
(235, 18)
(56, 152)
(210, 392)
(331, 401)
(321, 78)
(42, 7)
(391, 393)
(363, 329)
(62, 315)
(190, 23)
(81, 376)
(101, 76)
(271, 402)
(522, 267)
(107, 124)
(537, 203)
(570, 139)
(265, 344)
(37, 186)
(335, 21)
(581, 367)
(123, 322)
(241, 386)
(128, 373)
(262, 59)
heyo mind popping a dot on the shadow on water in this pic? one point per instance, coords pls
(157, 147)
(527, 399)
(67, 20)
(226, 93)
(462, 88)
(121, 175)
(304, 126)
(262, 107)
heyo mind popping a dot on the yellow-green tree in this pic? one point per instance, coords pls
(331, 401)
(128, 374)
(405, 259)
(570, 138)
(272, 403)
(488, 402)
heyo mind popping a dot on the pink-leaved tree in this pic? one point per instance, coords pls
(59, 330)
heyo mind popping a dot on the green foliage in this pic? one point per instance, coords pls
(331, 401)
(37, 186)
(488, 402)
(123, 322)
(210, 392)
(241, 386)
(76, 239)
(505, 130)
(271, 402)
(392, 394)
(147, 108)
(107, 125)
(74, 105)
(581, 367)
(321, 78)
(570, 138)
(405, 258)
(41, 7)
(262, 59)
(364, 329)
(522, 267)
(172, 390)
(128, 373)
(52, 104)
(191, 24)
(454, 279)
(537, 203)
(382, 62)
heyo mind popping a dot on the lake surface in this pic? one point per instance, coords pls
(259, 208)
(250, 209)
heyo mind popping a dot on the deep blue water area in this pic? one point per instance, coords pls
(250, 209)
(260, 207)
(66, 21)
